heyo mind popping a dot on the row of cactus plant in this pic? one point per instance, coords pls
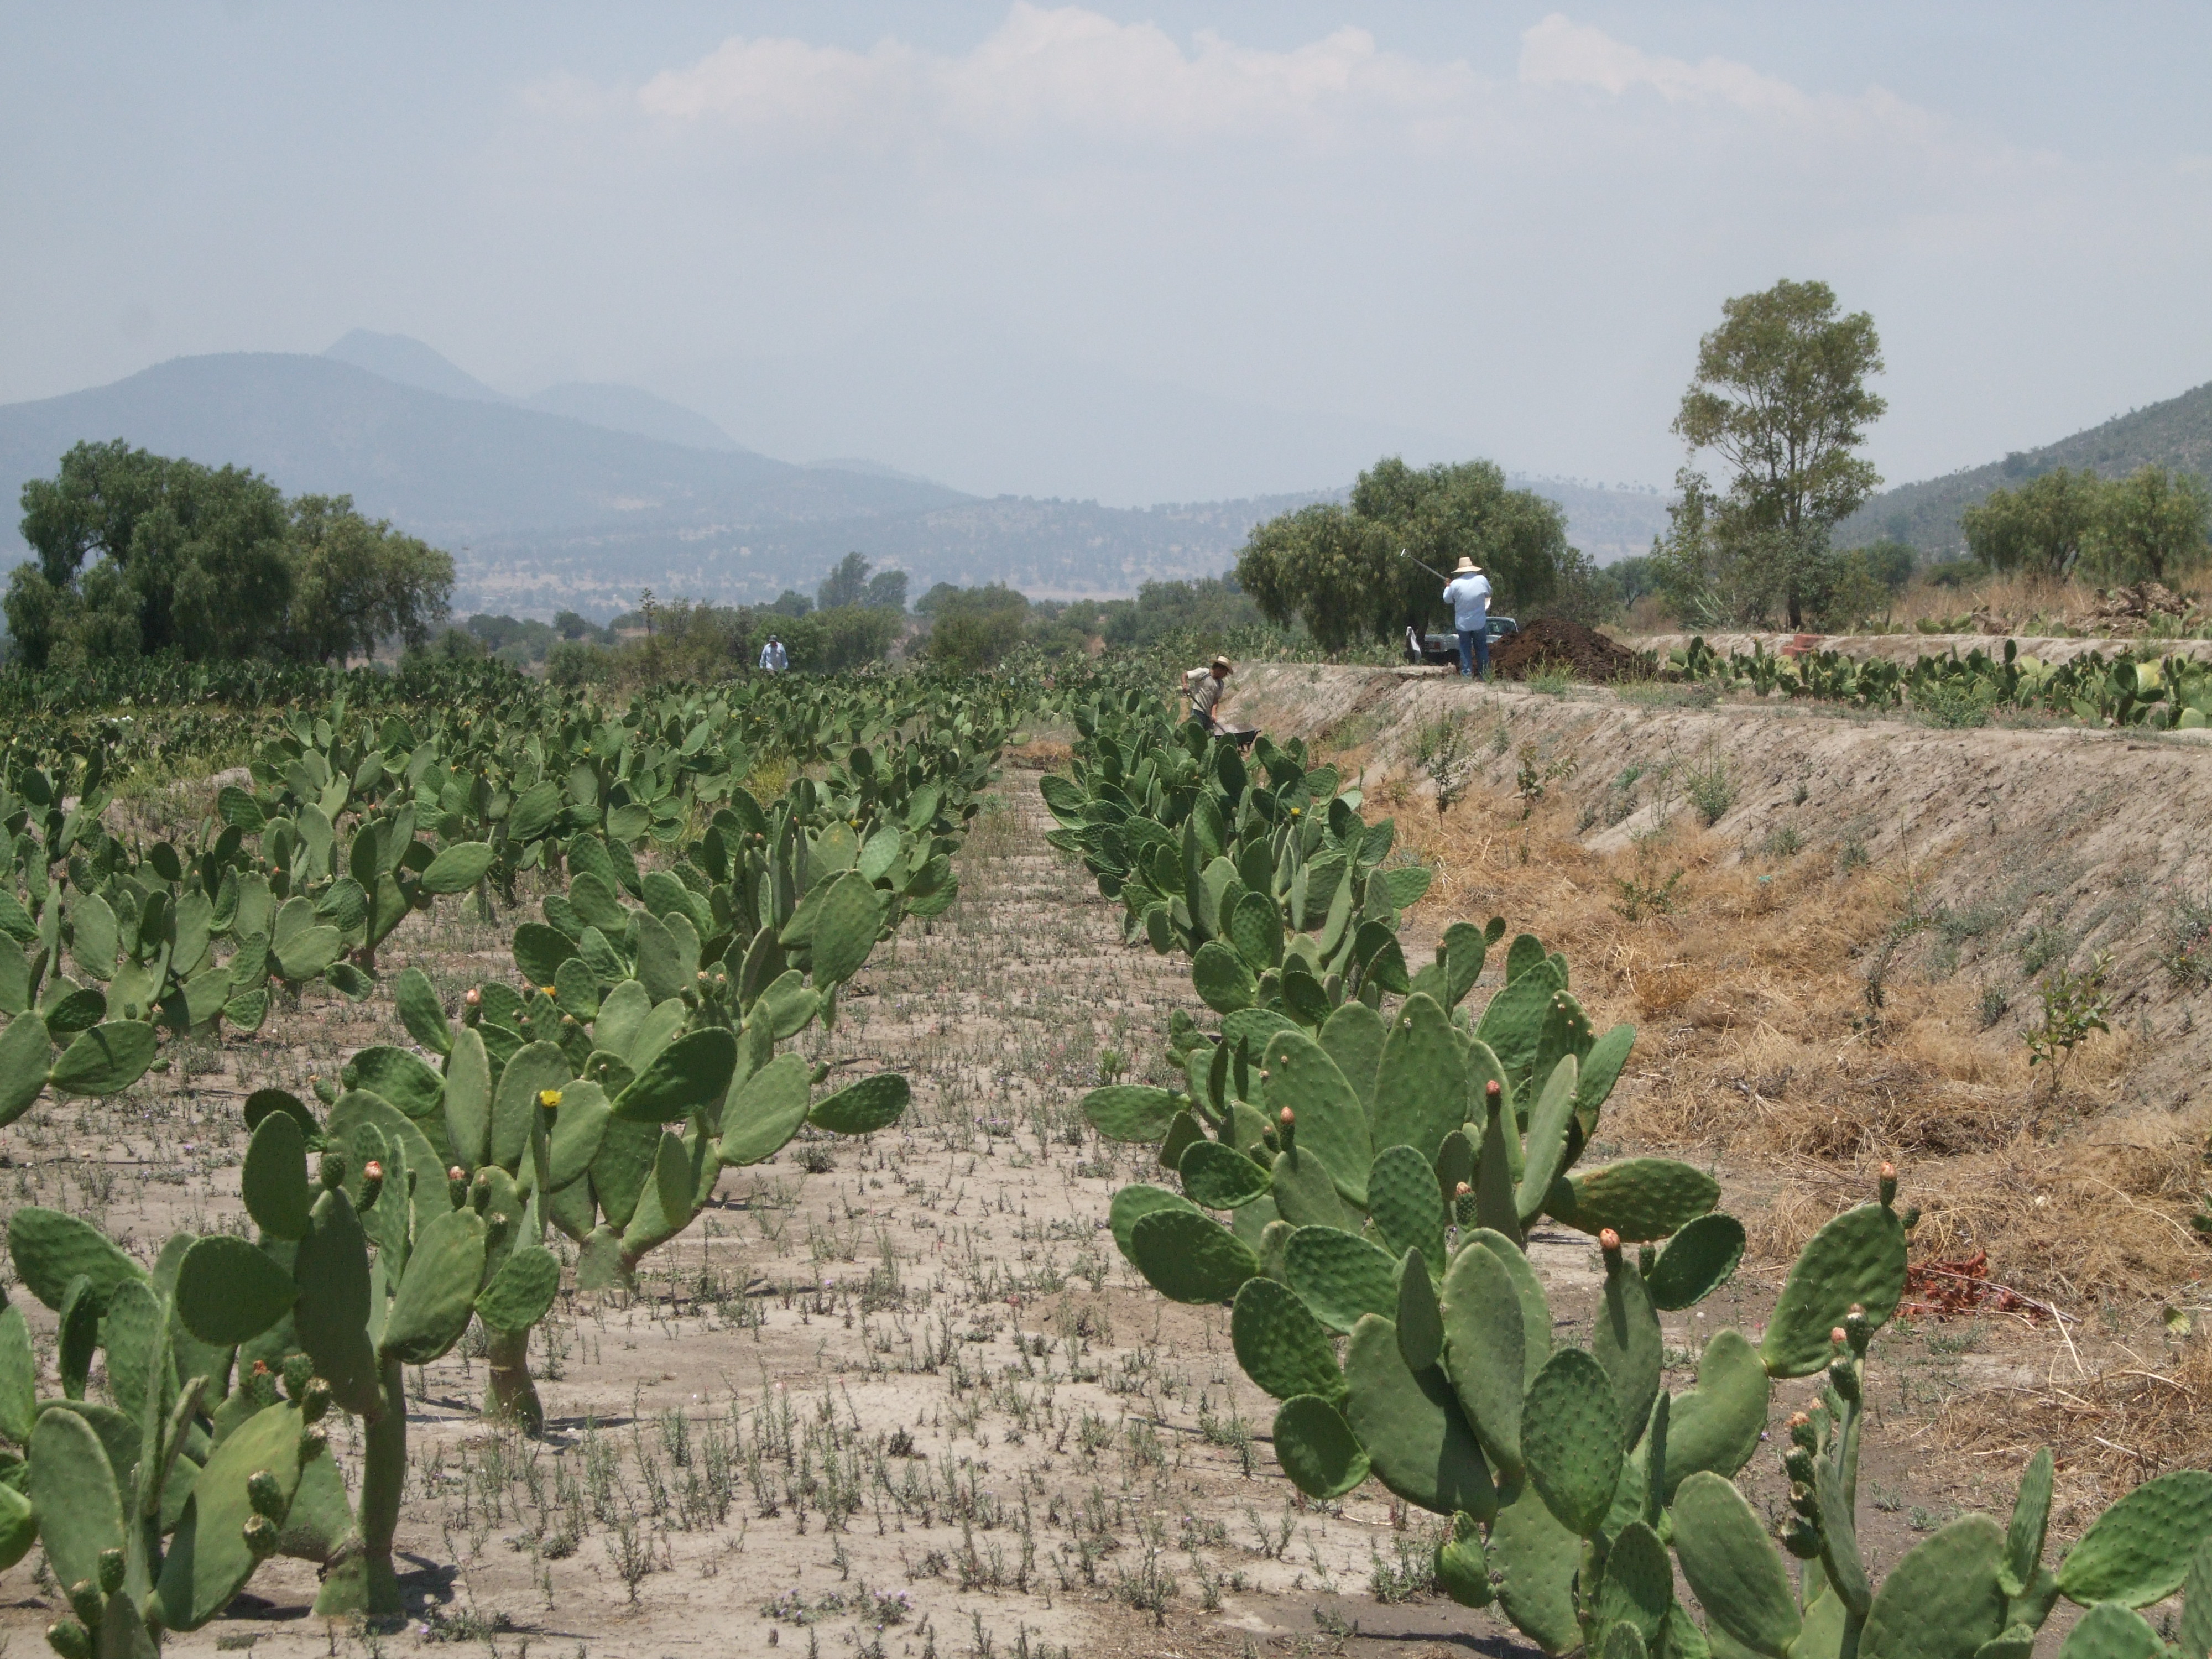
(1356, 1156)
(638, 1058)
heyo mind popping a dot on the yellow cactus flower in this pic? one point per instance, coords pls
(549, 1099)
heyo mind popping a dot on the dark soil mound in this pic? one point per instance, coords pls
(1583, 651)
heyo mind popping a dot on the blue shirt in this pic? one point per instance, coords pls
(1469, 597)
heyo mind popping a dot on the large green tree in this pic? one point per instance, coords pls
(1780, 395)
(2152, 527)
(2039, 529)
(1356, 570)
(140, 553)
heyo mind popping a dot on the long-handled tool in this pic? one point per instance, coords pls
(1430, 568)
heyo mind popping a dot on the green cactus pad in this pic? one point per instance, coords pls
(1623, 1641)
(1353, 1037)
(1281, 1346)
(19, 1375)
(273, 1180)
(1858, 1257)
(1420, 1089)
(1133, 1202)
(539, 950)
(49, 1249)
(1224, 981)
(1625, 1340)
(1941, 1599)
(1716, 1426)
(691, 1072)
(1486, 1350)
(229, 1292)
(457, 868)
(421, 1012)
(762, 1113)
(104, 1061)
(1255, 929)
(1601, 1069)
(209, 1563)
(2109, 1631)
(1218, 1178)
(2031, 1518)
(1571, 1440)
(2194, 1637)
(845, 928)
(521, 1291)
(1420, 1320)
(1496, 1169)
(1316, 1449)
(864, 1107)
(1131, 1111)
(1417, 1438)
(1733, 1568)
(665, 1204)
(1463, 1571)
(580, 1125)
(1305, 1193)
(1513, 1023)
(19, 1526)
(1189, 1257)
(1536, 1559)
(400, 1078)
(74, 1489)
(1697, 1261)
(1640, 1198)
(1402, 1193)
(331, 1313)
(468, 1099)
(1546, 1151)
(1329, 1120)
(437, 1290)
(1638, 1590)
(1340, 1276)
(26, 1048)
(2138, 1551)
(135, 1335)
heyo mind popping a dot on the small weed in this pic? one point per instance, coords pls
(1552, 679)
(1533, 780)
(1955, 708)
(1442, 747)
(2043, 946)
(1852, 855)
(1782, 842)
(1640, 897)
(1710, 789)
(2074, 1006)
(2187, 957)
(1995, 1002)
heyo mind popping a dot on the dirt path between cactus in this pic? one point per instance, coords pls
(905, 1399)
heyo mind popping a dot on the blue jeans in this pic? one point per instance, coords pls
(1474, 642)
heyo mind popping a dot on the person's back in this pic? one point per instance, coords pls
(1468, 595)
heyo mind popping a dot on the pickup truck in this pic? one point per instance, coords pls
(1443, 649)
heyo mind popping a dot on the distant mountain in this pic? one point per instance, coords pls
(2177, 433)
(549, 506)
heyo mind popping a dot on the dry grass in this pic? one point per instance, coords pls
(1780, 1033)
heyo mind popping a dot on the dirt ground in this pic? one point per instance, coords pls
(905, 1399)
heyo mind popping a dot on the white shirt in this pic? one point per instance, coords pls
(774, 658)
(1469, 599)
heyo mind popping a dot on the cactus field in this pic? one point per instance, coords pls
(922, 1167)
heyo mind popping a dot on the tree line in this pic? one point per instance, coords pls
(137, 554)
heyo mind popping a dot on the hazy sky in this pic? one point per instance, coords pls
(1137, 252)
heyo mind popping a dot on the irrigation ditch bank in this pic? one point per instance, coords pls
(1907, 648)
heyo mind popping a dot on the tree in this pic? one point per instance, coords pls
(2152, 527)
(972, 629)
(2039, 529)
(792, 603)
(886, 590)
(356, 582)
(1780, 392)
(846, 584)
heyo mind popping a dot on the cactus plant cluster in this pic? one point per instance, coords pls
(153, 1508)
(603, 1098)
(1356, 1156)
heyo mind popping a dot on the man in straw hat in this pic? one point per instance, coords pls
(1205, 688)
(1468, 595)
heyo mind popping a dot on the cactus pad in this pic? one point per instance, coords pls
(1637, 1589)
(580, 1125)
(1340, 1276)
(208, 1560)
(522, 1290)
(2031, 1518)
(1485, 1344)
(1218, 1178)
(331, 1313)
(761, 1114)
(1189, 1257)
(1697, 1261)
(1317, 1447)
(2109, 1631)
(1572, 1440)
(49, 1249)
(106, 1060)
(1625, 1338)
(19, 1375)
(1281, 1346)
(1941, 1599)
(1417, 1440)
(1461, 1569)
(1535, 1310)
(229, 1292)
(1131, 1111)
(273, 1180)
(864, 1107)
(421, 1012)
(1640, 1198)
(1856, 1258)
(73, 1487)
(437, 1290)
(1131, 1203)
(1305, 1192)
(1329, 1119)
(1420, 1089)
(1224, 981)
(1353, 1037)
(1600, 1070)
(1408, 1210)
(24, 1050)
(1536, 1559)
(693, 1070)
(2138, 1551)
(1546, 1151)
(18, 1527)
(468, 1098)
(1420, 1320)
(1734, 1570)
(1717, 1426)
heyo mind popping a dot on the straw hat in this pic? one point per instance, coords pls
(1467, 567)
(1222, 663)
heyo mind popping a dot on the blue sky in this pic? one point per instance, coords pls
(1136, 252)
